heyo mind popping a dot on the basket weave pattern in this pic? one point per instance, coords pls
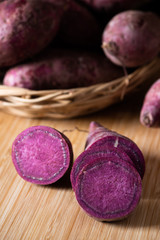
(73, 102)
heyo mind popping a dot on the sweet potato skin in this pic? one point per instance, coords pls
(150, 111)
(131, 38)
(62, 69)
(29, 28)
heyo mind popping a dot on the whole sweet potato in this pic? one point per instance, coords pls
(61, 69)
(150, 111)
(132, 38)
(26, 27)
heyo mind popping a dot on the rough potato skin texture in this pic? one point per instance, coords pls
(132, 38)
(150, 111)
(62, 69)
(79, 27)
(100, 136)
(41, 154)
(27, 27)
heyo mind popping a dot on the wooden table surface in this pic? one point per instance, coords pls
(29, 211)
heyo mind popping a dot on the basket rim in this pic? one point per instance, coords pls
(64, 103)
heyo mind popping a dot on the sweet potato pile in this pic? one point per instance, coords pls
(121, 31)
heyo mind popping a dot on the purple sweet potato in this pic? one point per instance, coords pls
(89, 155)
(150, 111)
(132, 38)
(108, 188)
(27, 27)
(79, 27)
(100, 137)
(106, 177)
(41, 154)
(63, 69)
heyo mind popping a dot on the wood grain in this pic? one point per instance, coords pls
(29, 211)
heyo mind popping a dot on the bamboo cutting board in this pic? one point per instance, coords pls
(29, 211)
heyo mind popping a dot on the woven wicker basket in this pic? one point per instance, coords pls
(73, 102)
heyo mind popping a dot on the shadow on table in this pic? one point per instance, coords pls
(62, 183)
(146, 215)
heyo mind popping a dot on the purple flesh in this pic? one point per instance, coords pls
(41, 154)
(108, 188)
(89, 155)
(100, 136)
